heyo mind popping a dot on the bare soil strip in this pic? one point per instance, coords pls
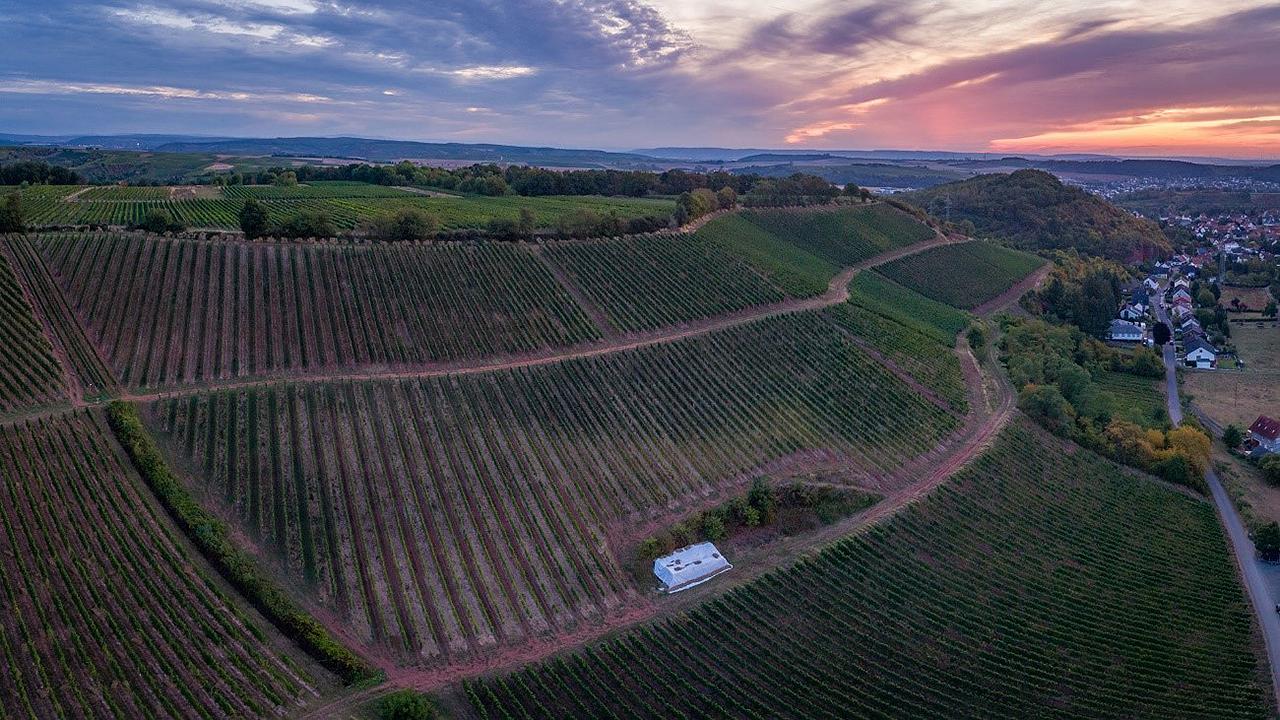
(593, 311)
(1011, 295)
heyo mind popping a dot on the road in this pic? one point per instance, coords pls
(1251, 568)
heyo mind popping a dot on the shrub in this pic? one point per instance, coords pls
(158, 220)
(253, 219)
(12, 218)
(1232, 436)
(1267, 542)
(1271, 469)
(406, 705)
(405, 225)
(307, 224)
(211, 536)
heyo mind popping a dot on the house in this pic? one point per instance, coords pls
(1182, 296)
(1151, 284)
(1190, 325)
(1266, 432)
(1125, 331)
(1133, 311)
(1182, 284)
(1200, 354)
(689, 566)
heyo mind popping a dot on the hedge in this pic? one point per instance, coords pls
(211, 536)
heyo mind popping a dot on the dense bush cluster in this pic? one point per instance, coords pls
(1058, 372)
(211, 535)
(37, 173)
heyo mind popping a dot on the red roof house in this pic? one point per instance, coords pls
(1267, 432)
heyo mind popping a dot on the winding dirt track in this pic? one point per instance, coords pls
(837, 292)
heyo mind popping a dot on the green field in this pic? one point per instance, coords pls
(796, 271)
(963, 276)
(1041, 581)
(1133, 398)
(907, 307)
(347, 204)
(843, 236)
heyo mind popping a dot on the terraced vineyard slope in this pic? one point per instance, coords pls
(963, 276)
(442, 517)
(168, 312)
(106, 612)
(649, 281)
(1042, 581)
(30, 375)
(842, 236)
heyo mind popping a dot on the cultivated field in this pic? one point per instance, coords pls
(106, 613)
(441, 517)
(167, 312)
(345, 203)
(1042, 581)
(1234, 396)
(843, 236)
(1137, 399)
(963, 276)
(906, 307)
(29, 373)
(649, 281)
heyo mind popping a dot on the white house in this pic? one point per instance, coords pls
(1200, 354)
(1182, 296)
(1125, 331)
(1266, 431)
(689, 566)
(1151, 284)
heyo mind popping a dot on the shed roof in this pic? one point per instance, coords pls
(1267, 427)
(690, 565)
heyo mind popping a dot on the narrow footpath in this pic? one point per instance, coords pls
(1246, 557)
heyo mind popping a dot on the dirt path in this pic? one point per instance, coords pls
(837, 292)
(75, 196)
(1011, 295)
(992, 401)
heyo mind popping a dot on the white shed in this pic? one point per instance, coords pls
(689, 566)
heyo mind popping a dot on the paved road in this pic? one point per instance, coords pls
(1251, 568)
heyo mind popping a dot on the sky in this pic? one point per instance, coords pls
(1134, 77)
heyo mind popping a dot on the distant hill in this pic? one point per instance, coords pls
(1033, 210)
(863, 174)
(1162, 169)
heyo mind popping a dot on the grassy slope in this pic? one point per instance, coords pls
(1042, 581)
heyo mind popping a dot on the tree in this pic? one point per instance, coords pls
(1161, 334)
(1205, 298)
(406, 705)
(526, 223)
(1270, 466)
(308, 224)
(1232, 436)
(253, 219)
(404, 225)
(12, 218)
(1267, 542)
(1270, 309)
(726, 197)
(287, 179)
(761, 498)
(158, 220)
(1047, 406)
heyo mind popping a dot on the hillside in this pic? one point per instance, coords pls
(1039, 582)
(1033, 210)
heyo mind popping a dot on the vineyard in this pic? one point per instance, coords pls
(908, 308)
(799, 273)
(106, 612)
(440, 517)
(650, 281)
(963, 276)
(930, 362)
(29, 374)
(1134, 398)
(346, 206)
(1042, 581)
(844, 236)
(194, 311)
(90, 378)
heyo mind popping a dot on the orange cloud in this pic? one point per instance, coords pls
(1221, 130)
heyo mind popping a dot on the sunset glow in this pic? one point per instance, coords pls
(1120, 76)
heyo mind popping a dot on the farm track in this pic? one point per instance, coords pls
(837, 292)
